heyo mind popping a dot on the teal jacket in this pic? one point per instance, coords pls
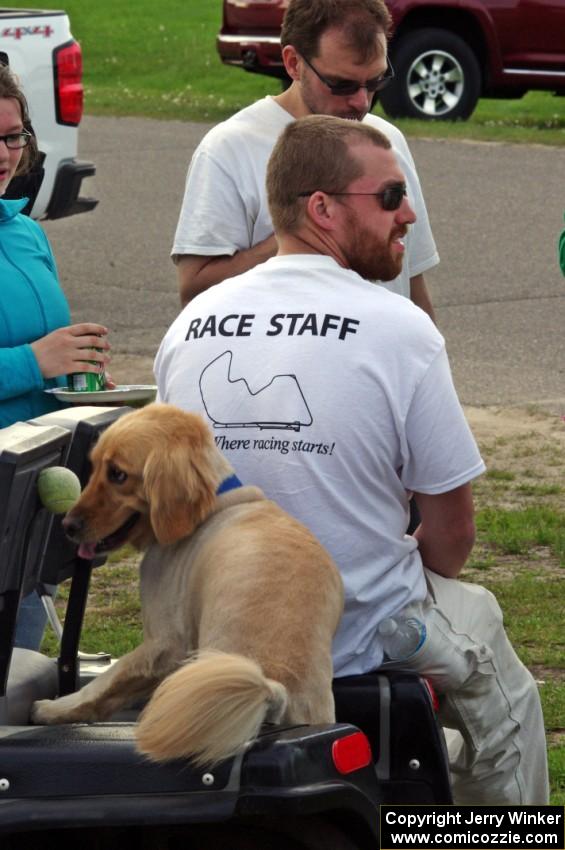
(32, 304)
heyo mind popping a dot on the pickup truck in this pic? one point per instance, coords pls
(446, 54)
(39, 48)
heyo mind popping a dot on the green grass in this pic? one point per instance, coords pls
(520, 532)
(112, 622)
(541, 490)
(556, 757)
(500, 475)
(160, 61)
(537, 118)
(534, 623)
(520, 557)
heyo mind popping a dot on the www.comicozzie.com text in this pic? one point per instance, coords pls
(472, 827)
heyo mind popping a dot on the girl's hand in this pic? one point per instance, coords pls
(70, 349)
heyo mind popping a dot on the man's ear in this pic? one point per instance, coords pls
(322, 208)
(291, 61)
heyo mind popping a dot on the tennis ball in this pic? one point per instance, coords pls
(58, 489)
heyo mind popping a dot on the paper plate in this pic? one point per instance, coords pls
(123, 392)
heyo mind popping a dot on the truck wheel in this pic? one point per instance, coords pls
(437, 75)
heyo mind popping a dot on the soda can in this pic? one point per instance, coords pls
(87, 382)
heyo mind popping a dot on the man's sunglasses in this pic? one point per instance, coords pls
(389, 199)
(344, 88)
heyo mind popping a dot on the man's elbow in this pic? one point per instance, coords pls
(188, 275)
(459, 542)
(467, 535)
(186, 291)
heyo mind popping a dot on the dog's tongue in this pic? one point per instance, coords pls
(87, 551)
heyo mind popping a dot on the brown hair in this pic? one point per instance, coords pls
(313, 154)
(9, 87)
(361, 21)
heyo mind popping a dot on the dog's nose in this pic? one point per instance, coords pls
(72, 525)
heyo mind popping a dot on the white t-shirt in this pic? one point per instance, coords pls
(225, 209)
(335, 397)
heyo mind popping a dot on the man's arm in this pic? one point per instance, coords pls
(446, 533)
(420, 295)
(197, 273)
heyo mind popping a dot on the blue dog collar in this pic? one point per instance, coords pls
(227, 484)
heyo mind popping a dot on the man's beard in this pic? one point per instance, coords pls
(370, 257)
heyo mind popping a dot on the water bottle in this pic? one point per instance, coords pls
(401, 637)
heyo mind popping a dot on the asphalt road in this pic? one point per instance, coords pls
(496, 212)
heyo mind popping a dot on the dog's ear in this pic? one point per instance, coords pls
(178, 488)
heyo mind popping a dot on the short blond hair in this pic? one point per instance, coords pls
(314, 154)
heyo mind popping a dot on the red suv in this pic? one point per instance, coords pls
(445, 53)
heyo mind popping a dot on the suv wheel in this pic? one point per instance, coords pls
(437, 75)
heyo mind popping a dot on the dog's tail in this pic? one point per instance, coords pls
(208, 709)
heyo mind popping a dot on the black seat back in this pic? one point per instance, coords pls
(24, 451)
(57, 557)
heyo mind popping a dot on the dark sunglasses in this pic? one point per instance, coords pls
(389, 199)
(343, 88)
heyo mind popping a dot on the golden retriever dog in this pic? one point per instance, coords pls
(239, 601)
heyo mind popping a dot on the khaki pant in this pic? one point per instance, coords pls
(487, 695)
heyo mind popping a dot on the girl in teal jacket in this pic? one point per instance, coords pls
(38, 345)
(32, 304)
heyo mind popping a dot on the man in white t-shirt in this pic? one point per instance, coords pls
(335, 396)
(336, 56)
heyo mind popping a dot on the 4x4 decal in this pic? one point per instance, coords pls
(18, 32)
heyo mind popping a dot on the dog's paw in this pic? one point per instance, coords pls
(67, 709)
(44, 712)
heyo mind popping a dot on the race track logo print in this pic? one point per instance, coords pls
(230, 402)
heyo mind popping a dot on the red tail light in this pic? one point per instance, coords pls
(351, 753)
(433, 695)
(69, 93)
